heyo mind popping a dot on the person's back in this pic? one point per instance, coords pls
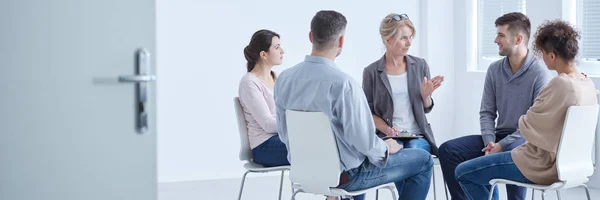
(309, 79)
(542, 125)
(318, 85)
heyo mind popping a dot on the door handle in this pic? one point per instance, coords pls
(141, 78)
(137, 78)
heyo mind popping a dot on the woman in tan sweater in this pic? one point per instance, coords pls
(541, 126)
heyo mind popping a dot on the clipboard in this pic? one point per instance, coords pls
(402, 137)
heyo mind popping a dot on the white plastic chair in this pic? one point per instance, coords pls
(246, 152)
(574, 155)
(436, 161)
(315, 158)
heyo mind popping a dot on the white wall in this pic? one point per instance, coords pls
(438, 31)
(200, 62)
(469, 85)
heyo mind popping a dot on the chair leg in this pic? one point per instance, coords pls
(294, 194)
(445, 188)
(281, 184)
(543, 194)
(587, 192)
(492, 191)
(346, 197)
(434, 189)
(394, 197)
(242, 186)
(558, 194)
(292, 186)
(377, 194)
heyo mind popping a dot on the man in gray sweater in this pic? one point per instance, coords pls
(511, 86)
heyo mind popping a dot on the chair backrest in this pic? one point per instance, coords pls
(245, 151)
(596, 148)
(313, 152)
(574, 155)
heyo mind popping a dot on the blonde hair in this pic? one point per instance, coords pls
(390, 27)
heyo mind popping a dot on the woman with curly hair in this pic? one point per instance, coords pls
(535, 160)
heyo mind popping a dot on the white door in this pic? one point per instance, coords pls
(69, 129)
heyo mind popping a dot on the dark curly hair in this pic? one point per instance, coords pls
(557, 37)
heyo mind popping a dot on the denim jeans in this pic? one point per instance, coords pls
(420, 143)
(462, 149)
(408, 169)
(271, 153)
(474, 175)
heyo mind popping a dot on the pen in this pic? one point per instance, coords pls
(389, 122)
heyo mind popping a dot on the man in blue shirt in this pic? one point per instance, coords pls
(318, 85)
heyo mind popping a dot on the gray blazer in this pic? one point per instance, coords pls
(379, 93)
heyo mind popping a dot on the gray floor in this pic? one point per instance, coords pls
(267, 187)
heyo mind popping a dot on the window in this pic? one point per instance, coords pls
(585, 15)
(487, 13)
(589, 26)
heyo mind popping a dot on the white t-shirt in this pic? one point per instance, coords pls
(404, 119)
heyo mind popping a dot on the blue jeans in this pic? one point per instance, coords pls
(271, 153)
(420, 143)
(474, 175)
(408, 169)
(459, 150)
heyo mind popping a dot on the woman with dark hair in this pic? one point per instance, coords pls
(535, 160)
(256, 96)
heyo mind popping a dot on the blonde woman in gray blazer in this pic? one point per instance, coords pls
(398, 87)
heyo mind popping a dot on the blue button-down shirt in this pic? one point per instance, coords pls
(317, 85)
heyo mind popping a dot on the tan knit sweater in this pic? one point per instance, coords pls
(542, 126)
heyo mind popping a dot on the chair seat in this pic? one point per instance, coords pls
(554, 186)
(342, 192)
(253, 167)
(436, 160)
